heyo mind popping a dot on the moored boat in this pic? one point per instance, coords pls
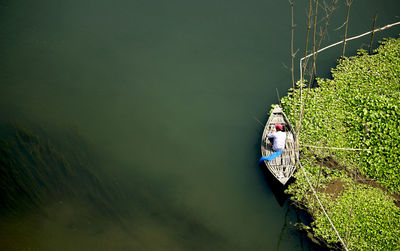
(283, 166)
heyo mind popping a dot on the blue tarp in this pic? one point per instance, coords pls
(270, 157)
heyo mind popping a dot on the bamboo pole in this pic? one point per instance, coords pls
(328, 16)
(303, 103)
(313, 70)
(292, 54)
(348, 227)
(373, 33)
(308, 35)
(339, 42)
(279, 99)
(323, 209)
(337, 148)
(301, 74)
(315, 53)
(348, 3)
(320, 168)
(329, 11)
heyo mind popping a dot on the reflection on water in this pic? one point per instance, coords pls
(51, 192)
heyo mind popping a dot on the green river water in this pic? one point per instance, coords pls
(135, 125)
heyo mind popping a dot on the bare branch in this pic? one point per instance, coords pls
(373, 33)
(349, 39)
(341, 26)
(292, 54)
(348, 3)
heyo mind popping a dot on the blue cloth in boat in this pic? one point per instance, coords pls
(271, 156)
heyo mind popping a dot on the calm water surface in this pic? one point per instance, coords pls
(166, 99)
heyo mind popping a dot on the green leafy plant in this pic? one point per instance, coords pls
(358, 108)
(365, 217)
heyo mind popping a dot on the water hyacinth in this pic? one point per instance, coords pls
(358, 108)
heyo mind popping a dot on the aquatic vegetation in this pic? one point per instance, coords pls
(50, 179)
(358, 108)
(366, 218)
(35, 171)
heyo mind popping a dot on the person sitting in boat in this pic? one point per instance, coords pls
(278, 139)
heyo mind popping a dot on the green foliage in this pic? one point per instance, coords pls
(365, 218)
(369, 86)
(358, 108)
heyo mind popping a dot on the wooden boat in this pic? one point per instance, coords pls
(283, 166)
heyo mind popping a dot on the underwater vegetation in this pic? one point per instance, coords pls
(35, 171)
(54, 195)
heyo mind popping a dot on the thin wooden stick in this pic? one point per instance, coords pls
(315, 53)
(313, 70)
(328, 16)
(301, 74)
(337, 148)
(320, 168)
(279, 99)
(308, 36)
(303, 103)
(348, 227)
(291, 43)
(322, 207)
(349, 39)
(373, 33)
(348, 2)
(262, 125)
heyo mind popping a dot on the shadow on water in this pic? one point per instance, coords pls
(54, 196)
(275, 186)
(293, 230)
(294, 219)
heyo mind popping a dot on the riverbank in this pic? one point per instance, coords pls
(358, 108)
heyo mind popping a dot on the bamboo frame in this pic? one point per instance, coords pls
(349, 39)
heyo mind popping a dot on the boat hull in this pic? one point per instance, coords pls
(283, 166)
